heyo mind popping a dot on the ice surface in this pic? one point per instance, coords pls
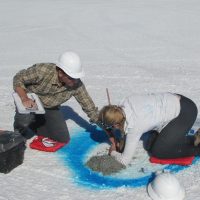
(126, 46)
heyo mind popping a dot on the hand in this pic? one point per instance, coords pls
(112, 148)
(29, 103)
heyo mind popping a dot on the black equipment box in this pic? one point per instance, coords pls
(12, 147)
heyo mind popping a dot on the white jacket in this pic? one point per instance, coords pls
(144, 113)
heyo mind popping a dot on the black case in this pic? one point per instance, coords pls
(12, 147)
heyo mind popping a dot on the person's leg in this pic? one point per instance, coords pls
(172, 141)
(54, 126)
(51, 125)
(22, 123)
(152, 136)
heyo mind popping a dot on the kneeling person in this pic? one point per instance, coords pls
(171, 116)
(54, 84)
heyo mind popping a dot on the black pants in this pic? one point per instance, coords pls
(172, 141)
(51, 124)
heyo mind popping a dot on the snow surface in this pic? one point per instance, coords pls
(128, 46)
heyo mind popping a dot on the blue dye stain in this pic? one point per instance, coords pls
(74, 154)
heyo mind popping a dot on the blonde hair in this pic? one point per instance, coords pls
(112, 114)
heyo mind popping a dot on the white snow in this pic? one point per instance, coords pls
(126, 46)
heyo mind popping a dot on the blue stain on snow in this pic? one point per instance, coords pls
(74, 155)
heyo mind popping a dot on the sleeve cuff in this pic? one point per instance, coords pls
(115, 154)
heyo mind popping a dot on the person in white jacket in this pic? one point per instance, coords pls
(168, 116)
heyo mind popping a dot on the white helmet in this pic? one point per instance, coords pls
(70, 63)
(165, 186)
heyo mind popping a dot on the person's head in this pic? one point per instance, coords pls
(69, 68)
(66, 79)
(113, 117)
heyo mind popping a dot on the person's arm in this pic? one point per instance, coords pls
(21, 79)
(87, 104)
(129, 150)
(26, 101)
(111, 139)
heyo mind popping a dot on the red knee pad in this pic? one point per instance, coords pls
(175, 161)
(45, 144)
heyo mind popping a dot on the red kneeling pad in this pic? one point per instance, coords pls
(45, 144)
(175, 161)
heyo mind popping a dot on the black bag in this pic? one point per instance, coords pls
(12, 147)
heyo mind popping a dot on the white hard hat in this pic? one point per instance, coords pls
(70, 63)
(165, 186)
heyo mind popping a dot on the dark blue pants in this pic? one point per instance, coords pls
(172, 141)
(51, 125)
